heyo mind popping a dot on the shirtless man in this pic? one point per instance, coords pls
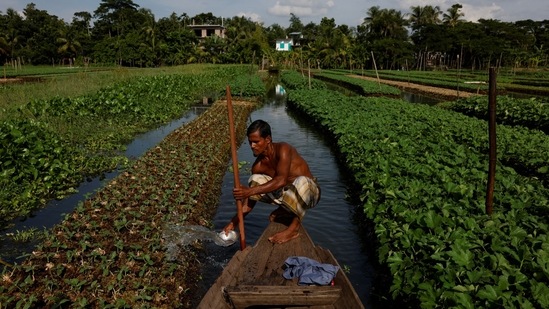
(280, 176)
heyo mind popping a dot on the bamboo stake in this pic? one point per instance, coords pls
(375, 66)
(239, 212)
(309, 65)
(492, 140)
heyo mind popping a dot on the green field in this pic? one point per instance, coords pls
(420, 172)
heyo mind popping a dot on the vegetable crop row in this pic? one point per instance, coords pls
(531, 113)
(364, 87)
(109, 252)
(426, 79)
(525, 82)
(520, 144)
(424, 189)
(294, 80)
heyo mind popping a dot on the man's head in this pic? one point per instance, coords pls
(259, 136)
(259, 125)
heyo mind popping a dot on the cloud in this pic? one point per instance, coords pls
(252, 16)
(474, 12)
(301, 8)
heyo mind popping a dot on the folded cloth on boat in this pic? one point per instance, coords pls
(302, 194)
(309, 271)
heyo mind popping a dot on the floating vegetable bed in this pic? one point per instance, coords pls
(109, 252)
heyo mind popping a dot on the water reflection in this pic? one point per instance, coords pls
(418, 98)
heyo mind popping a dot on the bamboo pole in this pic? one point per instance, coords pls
(492, 140)
(375, 67)
(309, 65)
(239, 211)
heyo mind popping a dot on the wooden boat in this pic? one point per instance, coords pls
(253, 278)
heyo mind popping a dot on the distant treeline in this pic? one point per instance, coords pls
(121, 33)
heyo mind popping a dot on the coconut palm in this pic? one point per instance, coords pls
(453, 17)
(3, 46)
(68, 42)
(385, 23)
(149, 28)
(424, 15)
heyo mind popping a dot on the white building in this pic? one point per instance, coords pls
(284, 44)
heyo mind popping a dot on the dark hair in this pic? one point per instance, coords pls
(263, 127)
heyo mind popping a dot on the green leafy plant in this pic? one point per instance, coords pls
(422, 176)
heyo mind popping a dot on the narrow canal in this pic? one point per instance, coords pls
(330, 223)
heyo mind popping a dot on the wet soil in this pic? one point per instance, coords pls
(19, 80)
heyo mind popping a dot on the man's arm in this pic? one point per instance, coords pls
(284, 154)
(246, 209)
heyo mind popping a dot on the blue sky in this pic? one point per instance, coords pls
(349, 12)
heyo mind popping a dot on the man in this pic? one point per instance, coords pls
(280, 176)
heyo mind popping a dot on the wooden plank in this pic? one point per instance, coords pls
(257, 261)
(246, 296)
(214, 298)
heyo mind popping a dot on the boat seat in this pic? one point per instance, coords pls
(244, 296)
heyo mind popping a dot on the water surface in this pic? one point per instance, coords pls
(330, 223)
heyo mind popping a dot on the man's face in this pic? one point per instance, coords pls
(257, 143)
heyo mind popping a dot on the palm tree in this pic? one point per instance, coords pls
(372, 19)
(150, 27)
(68, 41)
(453, 17)
(3, 46)
(426, 15)
(12, 33)
(385, 23)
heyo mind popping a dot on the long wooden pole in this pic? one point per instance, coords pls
(492, 140)
(234, 157)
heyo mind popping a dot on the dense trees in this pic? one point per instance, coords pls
(119, 32)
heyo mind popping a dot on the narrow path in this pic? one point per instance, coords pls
(443, 93)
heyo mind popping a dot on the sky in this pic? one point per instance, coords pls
(348, 12)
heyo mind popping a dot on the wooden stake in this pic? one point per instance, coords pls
(309, 65)
(492, 140)
(375, 67)
(234, 157)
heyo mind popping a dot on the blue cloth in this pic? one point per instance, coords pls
(309, 271)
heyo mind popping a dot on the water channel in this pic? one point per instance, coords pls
(330, 223)
(54, 212)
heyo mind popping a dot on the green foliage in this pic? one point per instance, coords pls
(448, 80)
(248, 86)
(72, 138)
(531, 113)
(294, 81)
(525, 150)
(363, 86)
(127, 101)
(423, 186)
(36, 165)
(110, 252)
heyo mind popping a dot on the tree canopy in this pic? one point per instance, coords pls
(120, 32)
